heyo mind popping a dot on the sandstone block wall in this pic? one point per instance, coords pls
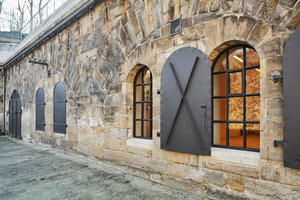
(97, 59)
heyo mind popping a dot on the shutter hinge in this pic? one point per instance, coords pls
(276, 77)
(158, 134)
(158, 91)
(276, 143)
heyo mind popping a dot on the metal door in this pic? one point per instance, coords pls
(291, 99)
(15, 115)
(186, 102)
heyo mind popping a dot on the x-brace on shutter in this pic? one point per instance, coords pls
(186, 102)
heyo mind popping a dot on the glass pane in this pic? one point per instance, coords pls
(235, 112)
(220, 84)
(220, 133)
(146, 92)
(235, 134)
(147, 111)
(220, 109)
(252, 58)
(147, 128)
(235, 58)
(138, 129)
(139, 79)
(235, 83)
(147, 76)
(138, 111)
(253, 108)
(253, 136)
(138, 93)
(253, 81)
(221, 64)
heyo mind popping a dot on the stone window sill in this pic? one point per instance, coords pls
(235, 156)
(141, 143)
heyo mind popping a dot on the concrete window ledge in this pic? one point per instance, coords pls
(141, 143)
(235, 156)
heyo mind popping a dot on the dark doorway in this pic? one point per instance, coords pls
(15, 115)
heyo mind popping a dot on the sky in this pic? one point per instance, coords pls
(10, 6)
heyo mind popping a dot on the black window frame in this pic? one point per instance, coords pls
(228, 95)
(40, 107)
(142, 102)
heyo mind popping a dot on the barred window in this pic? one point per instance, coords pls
(142, 108)
(236, 99)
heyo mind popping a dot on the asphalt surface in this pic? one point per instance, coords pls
(32, 171)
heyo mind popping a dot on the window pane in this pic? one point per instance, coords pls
(235, 134)
(253, 135)
(220, 133)
(146, 92)
(138, 128)
(221, 64)
(138, 111)
(235, 58)
(147, 75)
(147, 128)
(253, 81)
(235, 109)
(147, 111)
(235, 83)
(220, 84)
(139, 79)
(252, 58)
(220, 109)
(253, 108)
(138, 93)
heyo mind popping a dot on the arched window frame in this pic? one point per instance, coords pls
(243, 94)
(59, 108)
(136, 133)
(40, 110)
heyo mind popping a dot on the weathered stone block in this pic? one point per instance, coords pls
(161, 44)
(139, 151)
(229, 27)
(174, 170)
(267, 8)
(270, 89)
(291, 176)
(242, 170)
(271, 170)
(252, 6)
(213, 32)
(289, 3)
(176, 157)
(245, 25)
(215, 5)
(258, 32)
(193, 33)
(160, 166)
(234, 182)
(260, 189)
(279, 13)
(294, 21)
(120, 157)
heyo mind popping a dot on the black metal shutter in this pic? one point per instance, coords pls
(15, 115)
(59, 108)
(40, 110)
(186, 102)
(291, 100)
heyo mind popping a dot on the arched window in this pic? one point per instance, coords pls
(59, 108)
(40, 110)
(142, 101)
(236, 99)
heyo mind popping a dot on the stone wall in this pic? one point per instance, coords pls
(97, 58)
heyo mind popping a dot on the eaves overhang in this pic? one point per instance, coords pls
(63, 17)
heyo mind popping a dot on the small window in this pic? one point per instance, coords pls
(142, 108)
(40, 110)
(59, 108)
(236, 99)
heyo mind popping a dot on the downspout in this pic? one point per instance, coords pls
(3, 99)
